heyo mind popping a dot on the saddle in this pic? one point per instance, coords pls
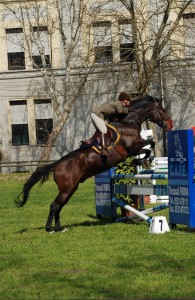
(112, 137)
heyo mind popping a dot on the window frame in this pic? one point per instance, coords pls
(189, 49)
(126, 48)
(20, 132)
(103, 53)
(15, 56)
(37, 60)
(43, 133)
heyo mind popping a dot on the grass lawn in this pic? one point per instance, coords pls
(93, 259)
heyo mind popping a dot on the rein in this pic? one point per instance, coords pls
(140, 113)
(147, 117)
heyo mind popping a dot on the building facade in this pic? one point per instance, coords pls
(45, 56)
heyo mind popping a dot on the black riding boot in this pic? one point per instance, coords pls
(104, 151)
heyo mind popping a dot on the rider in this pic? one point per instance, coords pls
(101, 113)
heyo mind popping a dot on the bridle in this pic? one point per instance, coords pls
(147, 116)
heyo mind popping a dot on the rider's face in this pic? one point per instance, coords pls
(126, 102)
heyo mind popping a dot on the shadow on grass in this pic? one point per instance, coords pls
(98, 223)
(93, 222)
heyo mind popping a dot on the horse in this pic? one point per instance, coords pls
(82, 163)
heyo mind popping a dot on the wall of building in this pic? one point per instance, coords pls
(174, 81)
(179, 92)
(178, 102)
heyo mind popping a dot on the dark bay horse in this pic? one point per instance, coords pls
(83, 163)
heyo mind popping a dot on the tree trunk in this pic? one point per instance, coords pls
(51, 140)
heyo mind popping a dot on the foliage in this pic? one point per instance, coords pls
(125, 167)
(93, 259)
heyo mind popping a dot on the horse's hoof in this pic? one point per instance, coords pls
(64, 230)
(61, 229)
(50, 230)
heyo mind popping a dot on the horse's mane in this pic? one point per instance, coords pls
(133, 105)
(138, 101)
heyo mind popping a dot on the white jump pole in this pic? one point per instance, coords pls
(133, 210)
(140, 176)
(145, 212)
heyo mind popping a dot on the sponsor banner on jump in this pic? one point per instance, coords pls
(104, 206)
(180, 177)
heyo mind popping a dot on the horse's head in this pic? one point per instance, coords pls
(143, 109)
(157, 113)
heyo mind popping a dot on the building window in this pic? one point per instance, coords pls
(126, 41)
(15, 48)
(189, 34)
(43, 120)
(40, 47)
(43, 129)
(20, 134)
(19, 124)
(102, 42)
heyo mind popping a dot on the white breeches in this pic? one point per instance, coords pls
(99, 123)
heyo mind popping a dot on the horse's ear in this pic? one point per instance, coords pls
(159, 99)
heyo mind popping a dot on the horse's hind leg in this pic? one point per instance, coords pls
(64, 197)
(55, 209)
(57, 220)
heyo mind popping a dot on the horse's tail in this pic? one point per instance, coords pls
(40, 174)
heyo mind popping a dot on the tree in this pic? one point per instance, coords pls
(82, 29)
(62, 20)
(152, 31)
(151, 35)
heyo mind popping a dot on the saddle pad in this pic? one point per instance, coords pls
(97, 146)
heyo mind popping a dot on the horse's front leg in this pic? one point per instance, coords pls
(141, 144)
(147, 151)
(152, 144)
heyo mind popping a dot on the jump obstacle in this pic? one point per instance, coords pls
(159, 166)
(180, 188)
(107, 188)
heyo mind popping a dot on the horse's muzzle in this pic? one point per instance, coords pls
(168, 124)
